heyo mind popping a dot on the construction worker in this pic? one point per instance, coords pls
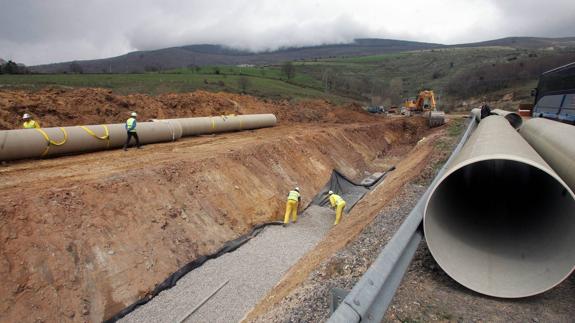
(29, 123)
(338, 203)
(131, 124)
(485, 111)
(292, 204)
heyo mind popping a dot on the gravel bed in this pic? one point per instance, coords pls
(252, 270)
(310, 302)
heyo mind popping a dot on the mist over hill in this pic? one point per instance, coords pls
(205, 54)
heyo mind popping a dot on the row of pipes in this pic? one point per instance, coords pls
(34, 143)
(501, 220)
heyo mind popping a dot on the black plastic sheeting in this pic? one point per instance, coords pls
(351, 192)
(173, 278)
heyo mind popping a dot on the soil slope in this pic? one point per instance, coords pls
(84, 236)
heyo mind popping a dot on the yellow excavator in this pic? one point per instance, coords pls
(425, 104)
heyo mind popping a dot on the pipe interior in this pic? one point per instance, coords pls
(502, 228)
(515, 120)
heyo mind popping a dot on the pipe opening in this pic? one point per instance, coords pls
(502, 228)
(514, 119)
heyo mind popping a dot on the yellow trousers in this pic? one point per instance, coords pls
(291, 208)
(338, 212)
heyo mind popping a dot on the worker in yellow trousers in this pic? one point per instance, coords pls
(338, 203)
(30, 123)
(291, 206)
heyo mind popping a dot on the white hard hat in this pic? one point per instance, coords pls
(26, 116)
(134, 114)
(330, 192)
(296, 188)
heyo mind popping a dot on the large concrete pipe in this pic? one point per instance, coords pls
(514, 118)
(500, 221)
(208, 125)
(32, 143)
(555, 142)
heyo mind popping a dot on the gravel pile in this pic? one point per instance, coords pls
(252, 270)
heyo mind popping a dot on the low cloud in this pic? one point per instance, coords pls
(35, 32)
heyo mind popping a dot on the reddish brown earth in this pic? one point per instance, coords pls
(82, 237)
(66, 107)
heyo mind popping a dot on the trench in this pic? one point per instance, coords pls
(101, 236)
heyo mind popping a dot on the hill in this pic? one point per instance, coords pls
(202, 55)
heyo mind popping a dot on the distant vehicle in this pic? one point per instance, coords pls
(375, 109)
(555, 94)
(424, 104)
(425, 101)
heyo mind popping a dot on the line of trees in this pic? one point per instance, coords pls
(492, 77)
(10, 67)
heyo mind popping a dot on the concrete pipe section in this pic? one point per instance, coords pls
(555, 142)
(514, 118)
(500, 221)
(33, 143)
(208, 125)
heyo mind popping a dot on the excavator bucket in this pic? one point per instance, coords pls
(436, 118)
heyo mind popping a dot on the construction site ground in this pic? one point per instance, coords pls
(426, 293)
(85, 236)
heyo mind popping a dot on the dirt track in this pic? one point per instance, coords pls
(84, 236)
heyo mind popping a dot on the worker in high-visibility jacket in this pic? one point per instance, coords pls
(338, 203)
(292, 204)
(29, 123)
(131, 124)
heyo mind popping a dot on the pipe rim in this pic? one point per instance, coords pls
(502, 157)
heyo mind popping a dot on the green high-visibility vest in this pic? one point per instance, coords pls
(293, 195)
(131, 125)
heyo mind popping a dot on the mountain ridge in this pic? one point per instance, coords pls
(210, 54)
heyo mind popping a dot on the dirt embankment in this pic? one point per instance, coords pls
(62, 107)
(84, 236)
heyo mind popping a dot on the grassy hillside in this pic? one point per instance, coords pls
(454, 73)
(264, 82)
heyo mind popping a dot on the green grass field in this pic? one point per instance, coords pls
(268, 85)
(453, 73)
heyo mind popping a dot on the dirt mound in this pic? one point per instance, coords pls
(67, 107)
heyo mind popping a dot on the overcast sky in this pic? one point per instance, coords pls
(46, 31)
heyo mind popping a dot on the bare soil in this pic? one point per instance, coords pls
(82, 237)
(66, 107)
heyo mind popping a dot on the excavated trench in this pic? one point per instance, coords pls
(85, 236)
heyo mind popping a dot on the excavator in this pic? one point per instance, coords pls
(424, 104)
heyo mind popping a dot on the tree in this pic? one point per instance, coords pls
(244, 82)
(76, 68)
(10, 68)
(288, 69)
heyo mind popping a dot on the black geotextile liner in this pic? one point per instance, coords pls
(173, 278)
(351, 192)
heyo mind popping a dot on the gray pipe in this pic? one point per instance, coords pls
(514, 118)
(207, 125)
(33, 143)
(555, 142)
(500, 221)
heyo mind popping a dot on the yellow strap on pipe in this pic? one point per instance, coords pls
(51, 142)
(213, 123)
(106, 135)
